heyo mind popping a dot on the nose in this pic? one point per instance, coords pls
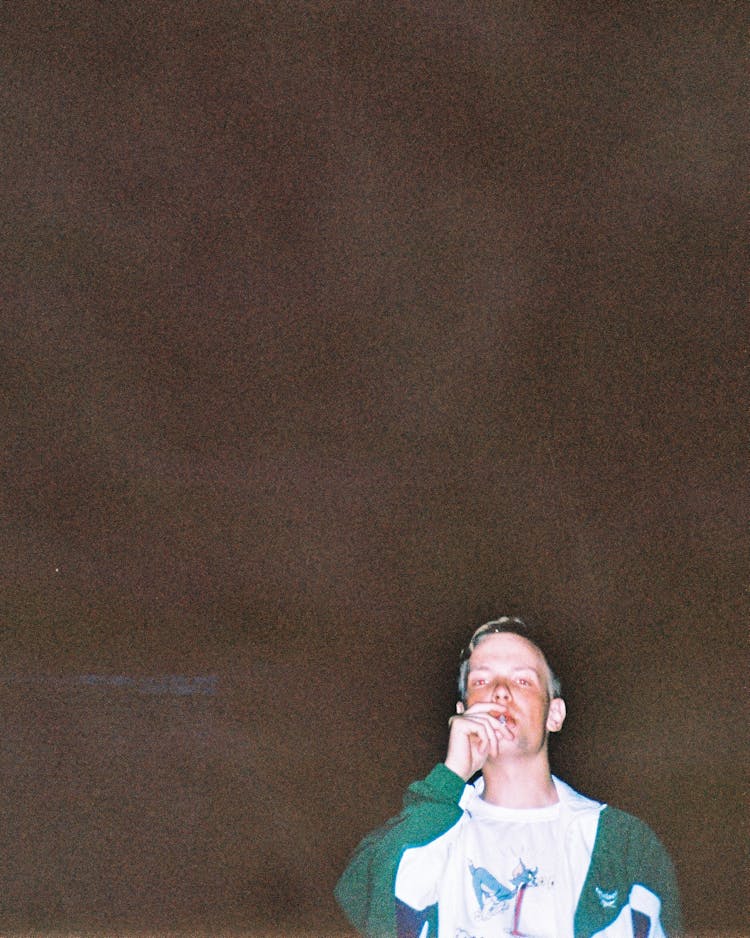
(500, 691)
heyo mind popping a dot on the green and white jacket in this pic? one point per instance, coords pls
(628, 887)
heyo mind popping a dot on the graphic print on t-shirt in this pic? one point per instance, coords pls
(492, 895)
(509, 897)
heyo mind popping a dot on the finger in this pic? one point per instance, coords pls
(493, 730)
(487, 736)
(494, 746)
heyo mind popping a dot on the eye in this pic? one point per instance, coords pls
(523, 681)
(478, 681)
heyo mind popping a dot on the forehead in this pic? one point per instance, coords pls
(507, 650)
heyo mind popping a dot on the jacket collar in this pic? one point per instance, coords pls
(573, 800)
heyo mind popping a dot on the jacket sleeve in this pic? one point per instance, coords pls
(366, 890)
(659, 875)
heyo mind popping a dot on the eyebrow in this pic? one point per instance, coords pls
(523, 667)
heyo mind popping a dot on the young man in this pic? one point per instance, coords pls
(518, 852)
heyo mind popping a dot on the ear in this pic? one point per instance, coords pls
(556, 715)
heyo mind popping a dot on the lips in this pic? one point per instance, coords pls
(503, 717)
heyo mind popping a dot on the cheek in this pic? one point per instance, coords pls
(539, 707)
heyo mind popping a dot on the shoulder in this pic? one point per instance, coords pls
(614, 823)
(624, 825)
(630, 839)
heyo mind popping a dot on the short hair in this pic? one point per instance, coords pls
(515, 626)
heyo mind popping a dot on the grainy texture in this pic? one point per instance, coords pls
(327, 331)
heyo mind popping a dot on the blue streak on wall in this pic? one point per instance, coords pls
(177, 685)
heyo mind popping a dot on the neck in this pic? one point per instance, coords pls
(518, 784)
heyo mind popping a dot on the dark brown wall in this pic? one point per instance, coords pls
(329, 330)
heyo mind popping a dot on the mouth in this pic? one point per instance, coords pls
(501, 716)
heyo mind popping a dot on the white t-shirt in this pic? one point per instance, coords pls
(504, 874)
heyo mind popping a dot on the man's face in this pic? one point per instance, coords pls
(507, 670)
